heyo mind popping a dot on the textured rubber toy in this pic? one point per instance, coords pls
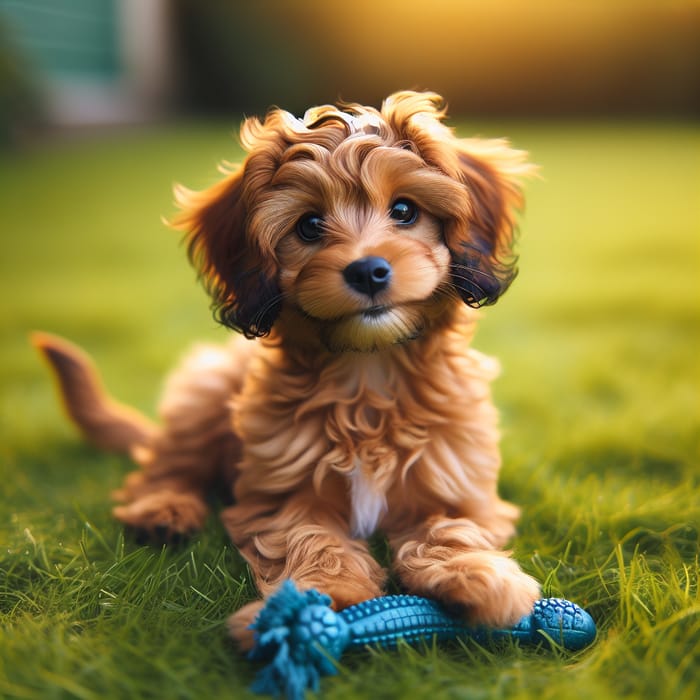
(299, 636)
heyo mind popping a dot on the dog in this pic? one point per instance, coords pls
(350, 250)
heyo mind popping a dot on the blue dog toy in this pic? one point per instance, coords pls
(299, 636)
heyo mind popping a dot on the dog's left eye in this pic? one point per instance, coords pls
(403, 211)
(310, 228)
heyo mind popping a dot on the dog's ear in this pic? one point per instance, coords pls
(483, 261)
(480, 231)
(240, 279)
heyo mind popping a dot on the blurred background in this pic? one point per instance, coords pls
(105, 103)
(74, 63)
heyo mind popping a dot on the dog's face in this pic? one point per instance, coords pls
(366, 226)
(363, 253)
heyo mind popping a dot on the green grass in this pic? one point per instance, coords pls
(599, 397)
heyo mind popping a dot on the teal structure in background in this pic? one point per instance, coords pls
(72, 39)
(87, 62)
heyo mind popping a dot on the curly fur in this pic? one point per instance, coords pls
(351, 412)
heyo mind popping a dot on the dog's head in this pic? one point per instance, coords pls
(367, 225)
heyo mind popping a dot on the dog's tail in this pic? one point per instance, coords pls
(102, 420)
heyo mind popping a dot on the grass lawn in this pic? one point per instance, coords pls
(598, 339)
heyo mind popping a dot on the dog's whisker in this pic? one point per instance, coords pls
(470, 279)
(469, 270)
(262, 313)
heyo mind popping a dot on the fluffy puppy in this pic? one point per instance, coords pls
(353, 245)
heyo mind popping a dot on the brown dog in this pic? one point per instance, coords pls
(353, 245)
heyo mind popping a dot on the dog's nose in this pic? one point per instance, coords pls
(368, 275)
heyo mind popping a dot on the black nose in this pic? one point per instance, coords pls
(368, 275)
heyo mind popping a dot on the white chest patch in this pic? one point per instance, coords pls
(368, 504)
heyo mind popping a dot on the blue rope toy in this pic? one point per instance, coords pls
(299, 636)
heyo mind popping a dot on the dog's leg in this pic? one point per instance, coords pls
(454, 561)
(161, 510)
(194, 452)
(166, 499)
(304, 540)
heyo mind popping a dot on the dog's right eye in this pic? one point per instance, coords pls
(310, 228)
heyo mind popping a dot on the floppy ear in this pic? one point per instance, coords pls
(480, 231)
(483, 262)
(239, 278)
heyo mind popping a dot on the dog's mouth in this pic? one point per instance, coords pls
(375, 311)
(371, 313)
(370, 329)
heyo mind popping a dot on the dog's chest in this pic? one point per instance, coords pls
(368, 426)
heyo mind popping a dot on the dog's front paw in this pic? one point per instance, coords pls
(239, 625)
(488, 588)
